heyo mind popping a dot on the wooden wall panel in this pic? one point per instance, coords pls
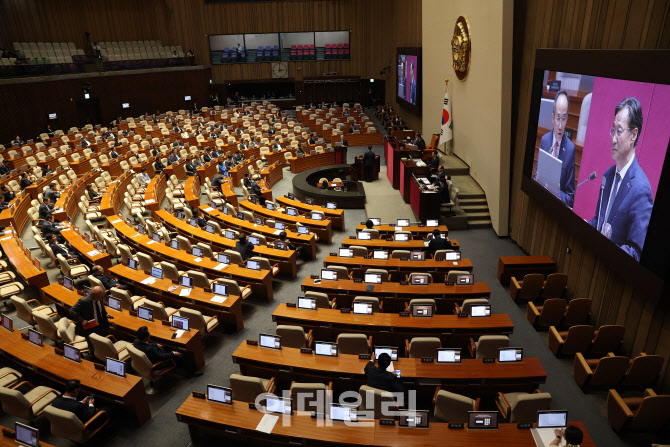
(586, 24)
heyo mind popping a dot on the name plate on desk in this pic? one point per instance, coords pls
(427, 360)
(364, 356)
(333, 254)
(489, 360)
(305, 351)
(462, 315)
(404, 314)
(291, 305)
(132, 313)
(448, 283)
(367, 257)
(387, 422)
(404, 283)
(404, 259)
(314, 276)
(457, 425)
(389, 239)
(165, 323)
(524, 425)
(7, 433)
(358, 280)
(252, 342)
(99, 366)
(198, 395)
(345, 311)
(59, 351)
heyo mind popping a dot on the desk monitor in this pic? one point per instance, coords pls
(68, 283)
(116, 367)
(422, 310)
(482, 420)
(209, 228)
(552, 419)
(402, 223)
(240, 215)
(281, 245)
(413, 418)
(417, 255)
(331, 205)
(364, 235)
(342, 413)
(480, 310)
(269, 205)
(270, 341)
(420, 279)
(7, 322)
(223, 258)
(510, 355)
(186, 281)
(35, 337)
(291, 196)
(198, 252)
(193, 222)
(219, 289)
(180, 323)
(452, 256)
(253, 199)
(212, 204)
(316, 216)
(446, 355)
(465, 280)
(346, 253)
(225, 210)
(258, 220)
(114, 303)
(309, 201)
(72, 353)
(303, 230)
(174, 244)
(228, 234)
(373, 278)
(376, 221)
(432, 223)
(157, 272)
(144, 313)
(278, 405)
(306, 303)
(325, 348)
(132, 263)
(140, 229)
(180, 215)
(291, 211)
(390, 350)
(253, 265)
(363, 308)
(279, 225)
(220, 394)
(156, 237)
(27, 435)
(380, 254)
(254, 240)
(100, 248)
(330, 275)
(401, 237)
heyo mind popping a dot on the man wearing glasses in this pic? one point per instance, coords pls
(559, 146)
(625, 202)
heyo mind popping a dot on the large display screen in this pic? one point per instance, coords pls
(408, 76)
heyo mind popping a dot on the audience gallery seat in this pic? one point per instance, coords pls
(648, 413)
(643, 371)
(606, 372)
(549, 314)
(527, 290)
(522, 407)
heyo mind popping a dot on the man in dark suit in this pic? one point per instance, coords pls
(440, 175)
(271, 131)
(243, 145)
(99, 273)
(215, 153)
(243, 247)
(230, 163)
(238, 157)
(625, 203)
(58, 249)
(50, 227)
(177, 129)
(559, 146)
(312, 140)
(157, 353)
(434, 162)
(84, 409)
(246, 181)
(85, 143)
(18, 141)
(256, 189)
(113, 154)
(369, 164)
(277, 145)
(4, 169)
(443, 191)
(438, 243)
(90, 316)
(190, 168)
(45, 209)
(419, 142)
(217, 181)
(343, 141)
(51, 193)
(159, 166)
(299, 249)
(25, 181)
(206, 157)
(378, 377)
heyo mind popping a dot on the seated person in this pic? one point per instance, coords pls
(378, 377)
(217, 181)
(51, 192)
(299, 151)
(438, 243)
(113, 154)
(144, 177)
(4, 168)
(98, 273)
(7, 193)
(299, 249)
(92, 194)
(45, 209)
(85, 409)
(50, 227)
(229, 163)
(443, 191)
(243, 247)
(202, 223)
(159, 166)
(573, 436)
(190, 168)
(25, 181)
(157, 353)
(58, 249)
(256, 190)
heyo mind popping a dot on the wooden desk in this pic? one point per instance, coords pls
(128, 391)
(518, 266)
(17, 215)
(331, 185)
(391, 329)
(154, 192)
(335, 216)
(425, 204)
(394, 296)
(272, 174)
(383, 244)
(125, 325)
(387, 230)
(409, 167)
(7, 442)
(311, 161)
(23, 266)
(192, 191)
(79, 244)
(322, 228)
(438, 269)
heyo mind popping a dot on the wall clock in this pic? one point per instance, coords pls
(279, 70)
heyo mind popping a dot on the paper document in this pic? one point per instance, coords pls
(398, 228)
(151, 242)
(149, 280)
(179, 333)
(93, 253)
(208, 209)
(544, 436)
(6, 238)
(149, 201)
(221, 266)
(117, 221)
(267, 423)
(218, 299)
(185, 292)
(277, 232)
(197, 260)
(455, 263)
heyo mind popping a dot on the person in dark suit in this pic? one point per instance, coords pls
(343, 141)
(246, 181)
(155, 150)
(419, 142)
(51, 193)
(93, 195)
(157, 353)
(85, 409)
(90, 316)
(18, 141)
(434, 162)
(438, 243)
(217, 181)
(378, 377)
(625, 203)
(243, 247)
(312, 140)
(443, 191)
(98, 273)
(45, 209)
(190, 168)
(159, 166)
(58, 249)
(440, 175)
(351, 129)
(230, 163)
(7, 193)
(25, 181)
(206, 157)
(113, 154)
(177, 129)
(299, 150)
(256, 189)
(195, 160)
(202, 223)
(559, 146)
(4, 169)
(85, 143)
(277, 145)
(271, 131)
(50, 227)
(369, 164)
(299, 249)
(243, 145)
(172, 158)
(238, 157)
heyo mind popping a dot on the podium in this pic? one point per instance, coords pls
(358, 169)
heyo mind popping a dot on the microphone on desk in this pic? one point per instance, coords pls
(591, 177)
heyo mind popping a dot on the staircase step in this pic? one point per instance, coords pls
(483, 223)
(470, 209)
(479, 215)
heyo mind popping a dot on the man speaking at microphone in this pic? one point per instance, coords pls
(625, 202)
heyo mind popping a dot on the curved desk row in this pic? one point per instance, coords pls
(385, 244)
(323, 228)
(335, 216)
(399, 267)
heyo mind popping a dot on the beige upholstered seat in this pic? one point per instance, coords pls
(265, 264)
(451, 407)
(294, 336)
(128, 302)
(234, 288)
(247, 388)
(310, 397)
(452, 276)
(372, 401)
(25, 312)
(66, 424)
(9, 377)
(66, 331)
(141, 364)
(199, 279)
(487, 346)
(399, 254)
(47, 327)
(354, 344)
(105, 347)
(322, 301)
(197, 321)
(522, 407)
(357, 250)
(382, 272)
(160, 312)
(71, 270)
(466, 307)
(29, 405)
(420, 347)
(342, 272)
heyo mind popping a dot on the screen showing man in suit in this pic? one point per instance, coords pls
(401, 76)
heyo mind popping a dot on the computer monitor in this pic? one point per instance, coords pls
(373, 278)
(71, 353)
(364, 235)
(401, 237)
(114, 303)
(270, 206)
(375, 221)
(193, 222)
(422, 310)
(27, 435)
(325, 348)
(281, 245)
(240, 215)
(278, 405)
(140, 229)
(157, 272)
(346, 253)
(156, 237)
(198, 252)
(552, 419)
(363, 308)
(402, 223)
(420, 279)
(220, 394)
(342, 413)
(432, 223)
(209, 228)
(132, 263)
(116, 367)
(303, 230)
(212, 204)
(510, 355)
(452, 256)
(254, 240)
(480, 310)
(253, 265)
(465, 280)
(270, 341)
(316, 216)
(144, 313)
(174, 244)
(186, 281)
(180, 323)
(306, 303)
(7, 322)
(253, 199)
(225, 210)
(380, 254)
(291, 196)
(330, 275)
(331, 205)
(279, 226)
(258, 220)
(417, 255)
(309, 201)
(482, 420)
(223, 258)
(100, 248)
(446, 355)
(291, 211)
(180, 215)
(219, 289)
(229, 234)
(390, 350)
(68, 283)
(413, 418)
(35, 337)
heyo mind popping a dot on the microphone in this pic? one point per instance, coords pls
(591, 177)
(602, 188)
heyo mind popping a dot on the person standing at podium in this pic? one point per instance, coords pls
(369, 164)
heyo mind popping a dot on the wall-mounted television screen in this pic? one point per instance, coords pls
(408, 76)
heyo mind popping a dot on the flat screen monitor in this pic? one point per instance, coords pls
(291, 196)
(306, 303)
(125, 105)
(346, 253)
(452, 256)
(53, 116)
(198, 252)
(114, 303)
(7, 322)
(259, 220)
(309, 201)
(331, 205)
(402, 223)
(219, 289)
(223, 259)
(465, 280)
(413, 418)
(186, 281)
(270, 341)
(480, 310)
(325, 348)
(209, 228)
(482, 420)
(253, 199)
(417, 255)
(98, 246)
(375, 221)
(254, 240)
(329, 275)
(270, 206)
(193, 222)
(316, 216)
(390, 350)
(180, 215)
(280, 245)
(220, 394)
(279, 226)
(156, 237)
(144, 313)
(71, 353)
(157, 272)
(174, 244)
(422, 310)
(380, 254)
(446, 355)
(253, 265)
(408, 77)
(240, 215)
(187, 98)
(291, 211)
(278, 405)
(509, 355)
(364, 235)
(180, 323)
(432, 223)
(552, 419)
(27, 435)
(363, 308)
(373, 278)
(132, 263)
(303, 230)
(116, 367)
(229, 234)
(68, 283)
(421, 279)
(140, 229)
(342, 413)
(401, 237)
(212, 204)
(224, 210)
(35, 337)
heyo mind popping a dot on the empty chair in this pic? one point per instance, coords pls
(554, 286)
(606, 372)
(322, 301)
(294, 336)
(400, 254)
(384, 273)
(141, 364)
(104, 347)
(66, 331)
(248, 388)
(522, 407)
(408, 234)
(647, 414)
(527, 290)
(466, 307)
(160, 312)
(29, 405)
(422, 347)
(357, 250)
(342, 272)
(487, 346)
(374, 233)
(170, 271)
(199, 279)
(420, 302)
(9, 377)
(452, 276)
(354, 344)
(576, 339)
(310, 396)
(412, 275)
(374, 401)
(145, 262)
(577, 312)
(265, 264)
(67, 425)
(549, 314)
(25, 312)
(128, 302)
(643, 371)
(376, 305)
(234, 288)
(608, 338)
(452, 407)
(198, 321)
(234, 256)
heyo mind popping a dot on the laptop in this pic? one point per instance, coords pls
(114, 303)
(219, 289)
(306, 303)
(278, 405)
(465, 280)
(220, 394)
(402, 223)
(68, 283)
(417, 256)
(373, 278)
(482, 420)
(346, 253)
(390, 350)
(253, 265)
(35, 337)
(7, 322)
(325, 348)
(480, 310)
(375, 221)
(548, 172)
(180, 323)
(27, 435)
(342, 413)
(292, 211)
(270, 341)
(329, 275)
(552, 419)
(116, 367)
(363, 308)
(157, 272)
(446, 355)
(380, 254)
(413, 418)
(364, 235)
(72, 353)
(422, 310)
(281, 245)
(144, 313)
(510, 355)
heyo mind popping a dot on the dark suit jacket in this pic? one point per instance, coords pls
(4, 169)
(158, 166)
(344, 143)
(25, 183)
(434, 162)
(207, 158)
(566, 153)
(190, 169)
(438, 243)
(244, 249)
(247, 183)
(44, 211)
(85, 143)
(106, 281)
(382, 379)
(369, 159)
(9, 196)
(49, 227)
(420, 143)
(631, 209)
(58, 250)
(154, 353)
(114, 154)
(83, 311)
(83, 411)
